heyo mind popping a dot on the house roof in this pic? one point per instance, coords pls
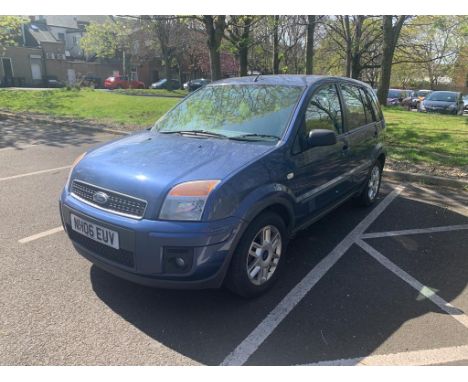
(71, 21)
(62, 21)
(41, 33)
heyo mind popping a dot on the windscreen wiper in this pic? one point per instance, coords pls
(195, 132)
(247, 137)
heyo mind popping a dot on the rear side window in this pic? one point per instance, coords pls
(356, 112)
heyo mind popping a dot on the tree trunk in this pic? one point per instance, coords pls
(356, 46)
(275, 46)
(215, 26)
(243, 60)
(244, 47)
(215, 63)
(349, 53)
(310, 45)
(390, 37)
(167, 66)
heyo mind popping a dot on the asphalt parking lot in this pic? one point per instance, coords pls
(385, 285)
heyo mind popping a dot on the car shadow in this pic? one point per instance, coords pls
(207, 325)
(15, 133)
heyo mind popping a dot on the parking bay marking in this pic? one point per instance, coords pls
(40, 235)
(457, 314)
(418, 231)
(253, 341)
(411, 358)
(35, 173)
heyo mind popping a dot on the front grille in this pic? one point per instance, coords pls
(116, 202)
(120, 256)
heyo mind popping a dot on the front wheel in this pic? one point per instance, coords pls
(372, 187)
(259, 256)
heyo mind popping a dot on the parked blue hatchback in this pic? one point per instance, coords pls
(213, 192)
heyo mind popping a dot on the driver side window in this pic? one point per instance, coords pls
(323, 112)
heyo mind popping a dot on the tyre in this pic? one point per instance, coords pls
(372, 187)
(259, 256)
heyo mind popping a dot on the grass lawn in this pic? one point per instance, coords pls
(106, 107)
(418, 138)
(432, 139)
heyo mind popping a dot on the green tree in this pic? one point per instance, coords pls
(433, 44)
(109, 40)
(10, 30)
(239, 34)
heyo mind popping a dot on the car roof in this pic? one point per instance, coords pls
(285, 79)
(445, 91)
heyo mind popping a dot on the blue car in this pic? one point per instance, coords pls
(212, 194)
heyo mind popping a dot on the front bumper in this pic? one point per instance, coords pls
(146, 247)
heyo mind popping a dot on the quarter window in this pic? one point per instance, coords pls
(353, 102)
(370, 115)
(374, 103)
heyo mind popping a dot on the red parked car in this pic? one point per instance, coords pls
(122, 82)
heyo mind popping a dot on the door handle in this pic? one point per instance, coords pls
(376, 129)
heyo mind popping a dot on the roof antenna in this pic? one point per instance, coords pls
(256, 78)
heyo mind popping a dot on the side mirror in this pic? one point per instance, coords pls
(321, 137)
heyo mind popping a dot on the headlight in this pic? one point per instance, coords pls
(186, 201)
(77, 160)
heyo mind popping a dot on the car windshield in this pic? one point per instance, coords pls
(465, 97)
(442, 96)
(260, 111)
(160, 82)
(394, 93)
(422, 93)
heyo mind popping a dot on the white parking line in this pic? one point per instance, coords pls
(39, 235)
(34, 173)
(411, 358)
(419, 231)
(252, 342)
(457, 314)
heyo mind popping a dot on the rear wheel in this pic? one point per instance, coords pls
(259, 256)
(372, 187)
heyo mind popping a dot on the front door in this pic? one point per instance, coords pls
(320, 172)
(7, 71)
(36, 70)
(71, 76)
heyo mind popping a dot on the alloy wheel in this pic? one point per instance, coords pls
(264, 255)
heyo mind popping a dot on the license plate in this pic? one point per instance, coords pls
(95, 232)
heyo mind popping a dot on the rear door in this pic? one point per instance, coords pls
(361, 127)
(320, 172)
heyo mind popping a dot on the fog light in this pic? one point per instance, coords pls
(180, 262)
(177, 260)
